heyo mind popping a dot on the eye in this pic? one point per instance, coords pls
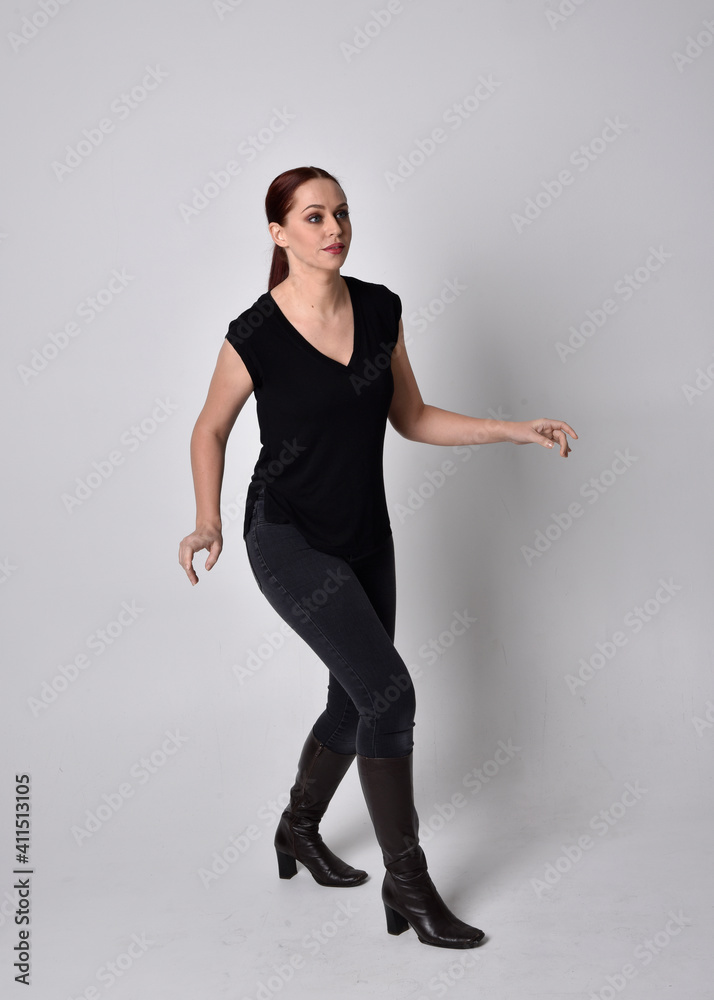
(316, 215)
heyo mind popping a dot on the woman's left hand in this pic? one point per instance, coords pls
(542, 431)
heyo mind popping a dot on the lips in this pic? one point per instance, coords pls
(335, 247)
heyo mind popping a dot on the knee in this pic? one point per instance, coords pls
(393, 706)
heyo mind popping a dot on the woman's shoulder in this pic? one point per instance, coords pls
(372, 288)
(263, 307)
(252, 319)
(374, 295)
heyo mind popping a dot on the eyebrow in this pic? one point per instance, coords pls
(322, 206)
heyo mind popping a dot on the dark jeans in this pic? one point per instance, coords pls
(344, 609)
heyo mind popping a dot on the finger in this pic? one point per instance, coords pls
(213, 554)
(557, 429)
(563, 442)
(542, 430)
(542, 438)
(561, 425)
(555, 439)
(186, 561)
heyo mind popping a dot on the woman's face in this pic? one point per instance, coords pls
(319, 219)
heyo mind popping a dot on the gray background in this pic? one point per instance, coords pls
(208, 664)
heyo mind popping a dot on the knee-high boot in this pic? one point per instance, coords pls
(320, 770)
(409, 896)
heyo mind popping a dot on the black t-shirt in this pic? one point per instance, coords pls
(322, 423)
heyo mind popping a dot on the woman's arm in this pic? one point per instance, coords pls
(230, 387)
(418, 421)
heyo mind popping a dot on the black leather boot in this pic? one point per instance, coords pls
(409, 896)
(320, 770)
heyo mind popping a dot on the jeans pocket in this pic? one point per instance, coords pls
(254, 512)
(259, 508)
(257, 518)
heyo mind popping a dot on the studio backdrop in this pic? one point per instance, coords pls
(534, 180)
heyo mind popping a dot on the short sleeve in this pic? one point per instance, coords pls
(239, 335)
(391, 305)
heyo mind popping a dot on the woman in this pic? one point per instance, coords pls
(325, 356)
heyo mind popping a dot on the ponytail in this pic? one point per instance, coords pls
(279, 267)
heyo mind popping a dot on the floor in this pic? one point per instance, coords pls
(165, 911)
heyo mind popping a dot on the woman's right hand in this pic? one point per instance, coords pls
(230, 387)
(211, 539)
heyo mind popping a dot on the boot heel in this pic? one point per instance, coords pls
(396, 923)
(287, 866)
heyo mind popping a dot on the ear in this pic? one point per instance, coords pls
(277, 233)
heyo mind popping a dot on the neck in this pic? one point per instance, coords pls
(320, 293)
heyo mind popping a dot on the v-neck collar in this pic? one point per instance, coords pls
(311, 347)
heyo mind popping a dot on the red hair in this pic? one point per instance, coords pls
(278, 202)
